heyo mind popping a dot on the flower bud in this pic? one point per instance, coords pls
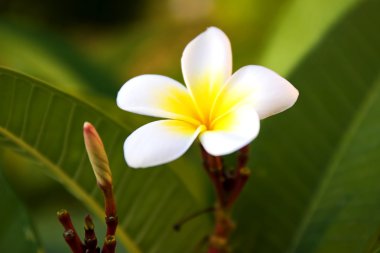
(97, 156)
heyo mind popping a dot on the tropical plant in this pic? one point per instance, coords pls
(314, 184)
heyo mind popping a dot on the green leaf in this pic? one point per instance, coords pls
(46, 125)
(298, 29)
(314, 184)
(16, 231)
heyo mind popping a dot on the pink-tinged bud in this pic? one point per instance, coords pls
(97, 156)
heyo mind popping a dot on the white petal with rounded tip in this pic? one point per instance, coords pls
(206, 65)
(159, 142)
(158, 96)
(267, 91)
(232, 131)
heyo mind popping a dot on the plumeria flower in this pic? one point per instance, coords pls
(221, 108)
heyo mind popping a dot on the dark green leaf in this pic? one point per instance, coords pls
(316, 167)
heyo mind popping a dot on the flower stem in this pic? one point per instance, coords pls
(70, 235)
(228, 186)
(111, 218)
(214, 168)
(223, 227)
(110, 211)
(90, 239)
(109, 244)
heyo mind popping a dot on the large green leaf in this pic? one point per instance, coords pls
(316, 167)
(46, 125)
(16, 232)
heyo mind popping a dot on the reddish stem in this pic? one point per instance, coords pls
(227, 188)
(90, 239)
(214, 168)
(70, 235)
(110, 210)
(241, 178)
(222, 230)
(242, 158)
(109, 244)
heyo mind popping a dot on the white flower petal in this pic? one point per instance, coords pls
(267, 91)
(232, 131)
(159, 142)
(158, 96)
(206, 65)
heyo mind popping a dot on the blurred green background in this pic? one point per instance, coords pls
(88, 49)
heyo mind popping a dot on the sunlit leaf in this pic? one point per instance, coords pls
(298, 29)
